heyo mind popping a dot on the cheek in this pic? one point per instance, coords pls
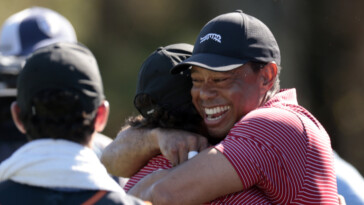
(193, 91)
(244, 99)
(238, 98)
(194, 94)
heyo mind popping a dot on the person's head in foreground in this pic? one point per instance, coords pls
(164, 100)
(234, 70)
(60, 95)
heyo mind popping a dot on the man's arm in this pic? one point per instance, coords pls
(206, 177)
(134, 147)
(130, 151)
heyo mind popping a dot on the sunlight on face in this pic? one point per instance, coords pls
(223, 98)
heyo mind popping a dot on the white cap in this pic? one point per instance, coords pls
(32, 28)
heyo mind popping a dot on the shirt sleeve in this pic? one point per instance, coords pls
(240, 154)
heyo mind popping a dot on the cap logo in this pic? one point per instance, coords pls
(214, 36)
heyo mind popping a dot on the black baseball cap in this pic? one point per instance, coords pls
(61, 66)
(230, 40)
(154, 78)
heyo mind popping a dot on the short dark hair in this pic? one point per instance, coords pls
(58, 114)
(184, 117)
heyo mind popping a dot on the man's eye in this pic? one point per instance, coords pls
(217, 80)
(196, 80)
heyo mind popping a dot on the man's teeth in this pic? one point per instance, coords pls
(209, 117)
(217, 111)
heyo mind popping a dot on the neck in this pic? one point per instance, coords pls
(268, 95)
(89, 141)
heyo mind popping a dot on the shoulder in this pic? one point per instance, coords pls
(268, 129)
(270, 120)
(271, 114)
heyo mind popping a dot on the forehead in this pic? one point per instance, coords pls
(199, 70)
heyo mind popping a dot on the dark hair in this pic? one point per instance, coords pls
(58, 114)
(184, 117)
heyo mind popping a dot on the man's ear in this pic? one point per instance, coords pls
(102, 116)
(15, 114)
(269, 73)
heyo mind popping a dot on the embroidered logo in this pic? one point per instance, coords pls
(214, 36)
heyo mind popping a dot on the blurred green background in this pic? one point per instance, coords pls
(321, 42)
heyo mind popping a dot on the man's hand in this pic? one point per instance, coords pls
(134, 147)
(175, 144)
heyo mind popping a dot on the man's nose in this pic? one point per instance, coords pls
(207, 91)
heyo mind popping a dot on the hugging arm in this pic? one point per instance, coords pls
(130, 151)
(206, 177)
(134, 147)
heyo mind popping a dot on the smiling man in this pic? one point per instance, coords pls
(222, 98)
(271, 150)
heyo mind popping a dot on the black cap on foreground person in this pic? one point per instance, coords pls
(61, 66)
(60, 106)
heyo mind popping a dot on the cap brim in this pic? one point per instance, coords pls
(209, 61)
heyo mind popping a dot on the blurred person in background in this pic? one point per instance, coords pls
(350, 183)
(10, 137)
(21, 34)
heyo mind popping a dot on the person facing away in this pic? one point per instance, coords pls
(21, 34)
(60, 106)
(273, 151)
